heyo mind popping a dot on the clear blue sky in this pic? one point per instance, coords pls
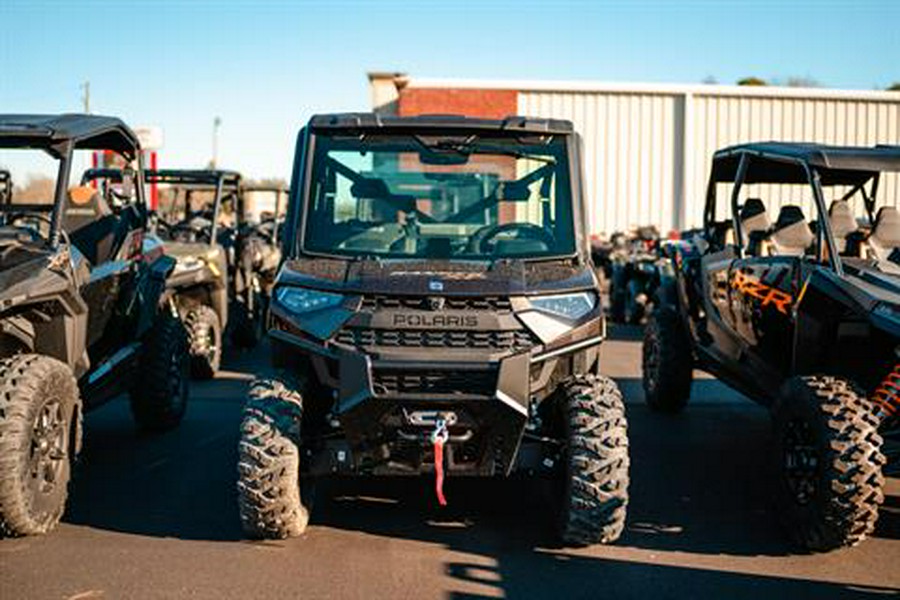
(264, 67)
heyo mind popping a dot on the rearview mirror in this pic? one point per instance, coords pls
(438, 157)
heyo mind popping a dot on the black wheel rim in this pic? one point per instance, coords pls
(800, 460)
(48, 454)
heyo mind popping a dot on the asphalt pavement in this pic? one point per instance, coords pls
(155, 517)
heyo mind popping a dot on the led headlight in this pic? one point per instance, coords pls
(186, 264)
(302, 300)
(568, 306)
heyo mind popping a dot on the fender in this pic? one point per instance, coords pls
(152, 288)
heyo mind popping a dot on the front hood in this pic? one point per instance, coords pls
(188, 249)
(28, 271)
(424, 277)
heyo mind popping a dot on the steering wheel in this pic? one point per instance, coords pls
(481, 239)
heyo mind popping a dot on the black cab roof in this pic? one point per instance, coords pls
(92, 132)
(776, 162)
(354, 121)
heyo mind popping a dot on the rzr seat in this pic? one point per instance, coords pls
(791, 234)
(90, 223)
(885, 237)
(843, 224)
(755, 225)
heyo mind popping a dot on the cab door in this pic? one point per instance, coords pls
(720, 337)
(762, 292)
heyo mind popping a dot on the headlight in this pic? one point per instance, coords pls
(568, 306)
(188, 263)
(302, 300)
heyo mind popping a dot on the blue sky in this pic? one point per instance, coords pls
(264, 67)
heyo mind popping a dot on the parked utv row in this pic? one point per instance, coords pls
(433, 310)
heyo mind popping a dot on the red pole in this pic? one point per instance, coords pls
(94, 163)
(154, 192)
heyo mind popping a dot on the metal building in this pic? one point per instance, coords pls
(648, 147)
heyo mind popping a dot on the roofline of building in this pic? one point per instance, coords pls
(403, 81)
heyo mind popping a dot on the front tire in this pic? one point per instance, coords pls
(595, 484)
(269, 493)
(205, 341)
(159, 401)
(39, 436)
(667, 361)
(828, 463)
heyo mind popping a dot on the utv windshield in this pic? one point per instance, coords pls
(459, 196)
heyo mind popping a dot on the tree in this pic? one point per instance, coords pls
(751, 81)
(895, 87)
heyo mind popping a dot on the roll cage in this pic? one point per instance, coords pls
(59, 136)
(800, 163)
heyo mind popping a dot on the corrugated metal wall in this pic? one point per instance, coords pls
(647, 151)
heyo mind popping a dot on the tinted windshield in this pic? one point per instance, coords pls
(466, 197)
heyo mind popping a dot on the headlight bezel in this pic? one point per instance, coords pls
(570, 306)
(301, 300)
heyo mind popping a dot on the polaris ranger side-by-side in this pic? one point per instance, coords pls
(83, 311)
(791, 294)
(193, 234)
(436, 313)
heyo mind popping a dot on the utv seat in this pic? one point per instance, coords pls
(843, 226)
(755, 225)
(791, 234)
(90, 223)
(885, 236)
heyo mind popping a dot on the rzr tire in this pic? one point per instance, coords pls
(39, 437)
(595, 485)
(205, 341)
(667, 361)
(159, 400)
(828, 463)
(269, 491)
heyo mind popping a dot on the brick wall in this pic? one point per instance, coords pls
(492, 104)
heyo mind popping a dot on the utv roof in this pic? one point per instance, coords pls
(355, 121)
(777, 162)
(193, 177)
(91, 132)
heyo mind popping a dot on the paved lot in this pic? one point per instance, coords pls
(155, 517)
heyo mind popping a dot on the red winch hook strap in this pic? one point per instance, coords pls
(439, 437)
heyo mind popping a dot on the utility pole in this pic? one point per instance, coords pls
(215, 142)
(86, 98)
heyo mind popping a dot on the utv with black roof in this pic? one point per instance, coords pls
(256, 259)
(436, 312)
(190, 228)
(83, 311)
(801, 312)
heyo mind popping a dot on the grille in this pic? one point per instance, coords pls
(395, 381)
(491, 303)
(517, 340)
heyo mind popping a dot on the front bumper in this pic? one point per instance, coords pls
(390, 387)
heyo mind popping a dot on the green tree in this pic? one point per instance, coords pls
(895, 87)
(752, 81)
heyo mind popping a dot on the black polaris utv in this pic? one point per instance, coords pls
(791, 294)
(436, 312)
(189, 224)
(256, 259)
(83, 312)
